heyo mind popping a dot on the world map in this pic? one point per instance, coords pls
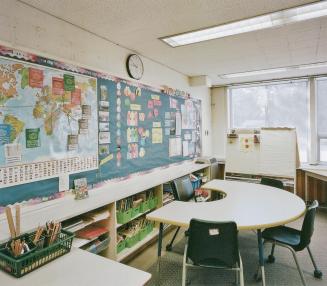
(45, 114)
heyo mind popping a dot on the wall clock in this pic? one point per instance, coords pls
(134, 66)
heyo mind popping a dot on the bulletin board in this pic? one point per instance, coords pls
(62, 119)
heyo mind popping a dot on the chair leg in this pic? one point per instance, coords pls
(184, 267)
(271, 257)
(169, 246)
(241, 273)
(297, 264)
(317, 273)
(237, 275)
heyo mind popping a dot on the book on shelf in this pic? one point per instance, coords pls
(91, 232)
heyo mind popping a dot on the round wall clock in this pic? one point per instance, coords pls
(134, 66)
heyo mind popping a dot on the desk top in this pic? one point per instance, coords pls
(81, 268)
(251, 206)
(319, 172)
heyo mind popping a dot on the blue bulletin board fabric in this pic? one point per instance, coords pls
(136, 124)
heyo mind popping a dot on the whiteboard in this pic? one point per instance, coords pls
(278, 152)
(239, 161)
(275, 155)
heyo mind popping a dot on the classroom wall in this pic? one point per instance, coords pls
(26, 28)
(219, 121)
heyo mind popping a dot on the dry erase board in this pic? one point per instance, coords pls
(85, 124)
(270, 151)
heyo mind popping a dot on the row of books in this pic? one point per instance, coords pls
(134, 201)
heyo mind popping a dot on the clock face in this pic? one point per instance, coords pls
(134, 66)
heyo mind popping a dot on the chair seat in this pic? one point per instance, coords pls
(283, 234)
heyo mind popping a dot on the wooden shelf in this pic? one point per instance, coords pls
(128, 251)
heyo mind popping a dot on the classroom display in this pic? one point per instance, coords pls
(48, 122)
(57, 118)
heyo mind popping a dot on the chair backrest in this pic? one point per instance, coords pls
(308, 225)
(183, 189)
(272, 183)
(213, 243)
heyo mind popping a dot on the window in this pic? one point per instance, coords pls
(321, 87)
(283, 104)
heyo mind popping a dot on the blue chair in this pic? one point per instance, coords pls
(213, 245)
(272, 183)
(294, 240)
(182, 191)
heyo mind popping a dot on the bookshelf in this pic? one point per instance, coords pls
(105, 199)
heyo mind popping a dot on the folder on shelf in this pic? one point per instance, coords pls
(91, 232)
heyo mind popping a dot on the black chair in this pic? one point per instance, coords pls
(182, 191)
(272, 183)
(214, 245)
(293, 239)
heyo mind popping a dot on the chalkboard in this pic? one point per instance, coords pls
(139, 128)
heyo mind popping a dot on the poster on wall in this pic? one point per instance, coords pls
(46, 115)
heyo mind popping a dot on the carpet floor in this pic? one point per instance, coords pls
(282, 272)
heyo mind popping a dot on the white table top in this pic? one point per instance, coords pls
(251, 206)
(80, 268)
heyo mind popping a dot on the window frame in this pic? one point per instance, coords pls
(279, 82)
(318, 136)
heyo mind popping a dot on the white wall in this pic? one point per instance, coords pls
(219, 121)
(28, 29)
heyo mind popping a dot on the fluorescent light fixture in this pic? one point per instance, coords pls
(313, 66)
(271, 20)
(252, 73)
(274, 70)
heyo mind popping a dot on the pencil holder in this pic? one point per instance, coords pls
(28, 241)
(23, 264)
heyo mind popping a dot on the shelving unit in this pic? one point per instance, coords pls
(104, 198)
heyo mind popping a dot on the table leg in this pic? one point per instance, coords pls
(306, 187)
(159, 252)
(261, 258)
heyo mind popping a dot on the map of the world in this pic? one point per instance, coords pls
(45, 114)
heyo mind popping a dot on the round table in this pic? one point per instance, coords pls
(251, 206)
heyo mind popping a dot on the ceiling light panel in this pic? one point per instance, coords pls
(271, 20)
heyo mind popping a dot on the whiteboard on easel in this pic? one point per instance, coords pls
(242, 158)
(278, 152)
(273, 153)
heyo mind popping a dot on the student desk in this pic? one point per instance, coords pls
(319, 174)
(251, 206)
(81, 268)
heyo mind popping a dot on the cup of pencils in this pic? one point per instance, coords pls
(19, 246)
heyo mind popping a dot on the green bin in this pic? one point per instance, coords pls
(28, 262)
(144, 206)
(135, 211)
(131, 241)
(153, 202)
(143, 233)
(121, 246)
(123, 217)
